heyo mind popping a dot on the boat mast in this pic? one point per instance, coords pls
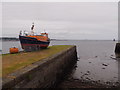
(32, 28)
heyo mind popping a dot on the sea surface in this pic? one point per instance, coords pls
(96, 59)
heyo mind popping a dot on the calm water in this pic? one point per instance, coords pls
(95, 63)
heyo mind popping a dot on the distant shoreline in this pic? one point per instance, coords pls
(9, 39)
(17, 39)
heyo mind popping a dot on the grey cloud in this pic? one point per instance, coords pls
(88, 20)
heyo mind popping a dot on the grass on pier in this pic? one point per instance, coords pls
(13, 62)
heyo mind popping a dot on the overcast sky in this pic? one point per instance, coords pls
(62, 20)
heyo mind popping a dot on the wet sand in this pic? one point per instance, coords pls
(77, 83)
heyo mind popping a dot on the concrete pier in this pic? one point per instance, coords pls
(44, 73)
(117, 50)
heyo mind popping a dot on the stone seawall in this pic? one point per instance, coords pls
(117, 50)
(44, 73)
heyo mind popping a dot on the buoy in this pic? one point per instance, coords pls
(14, 50)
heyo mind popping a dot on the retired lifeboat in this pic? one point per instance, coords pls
(31, 42)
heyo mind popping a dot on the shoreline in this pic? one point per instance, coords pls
(70, 82)
(77, 83)
(105, 57)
